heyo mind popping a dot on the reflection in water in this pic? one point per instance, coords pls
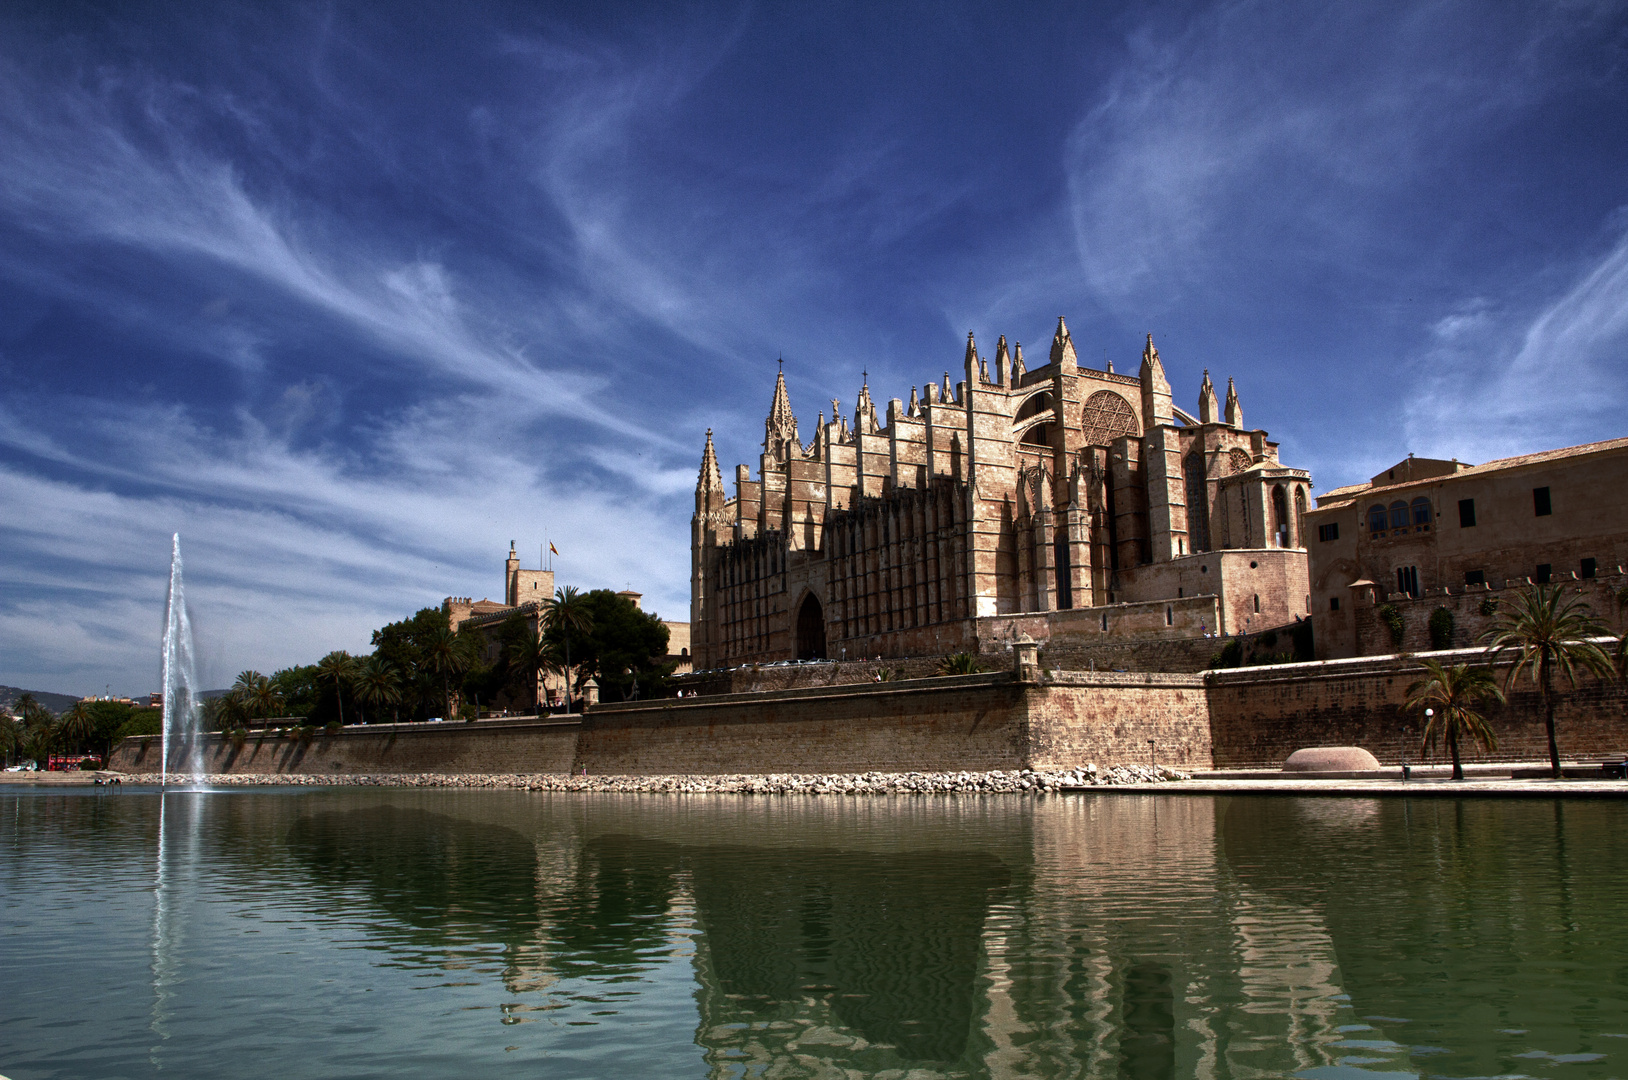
(1147, 1048)
(423, 933)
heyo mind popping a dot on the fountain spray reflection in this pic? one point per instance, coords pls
(181, 748)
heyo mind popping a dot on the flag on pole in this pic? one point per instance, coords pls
(552, 550)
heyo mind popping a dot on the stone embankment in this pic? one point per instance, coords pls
(1023, 781)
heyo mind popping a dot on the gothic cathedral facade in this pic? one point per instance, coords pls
(1061, 502)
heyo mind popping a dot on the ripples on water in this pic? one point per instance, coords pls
(401, 933)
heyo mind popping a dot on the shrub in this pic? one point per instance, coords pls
(961, 663)
(89, 764)
(1441, 629)
(1392, 618)
(1489, 606)
(332, 726)
(1231, 655)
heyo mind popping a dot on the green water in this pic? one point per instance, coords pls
(402, 933)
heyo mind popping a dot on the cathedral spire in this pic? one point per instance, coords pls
(710, 479)
(1208, 407)
(1157, 407)
(1062, 346)
(915, 404)
(780, 429)
(1235, 415)
(1018, 369)
(1003, 363)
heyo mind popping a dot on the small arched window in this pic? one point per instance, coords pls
(1399, 514)
(1421, 512)
(1376, 519)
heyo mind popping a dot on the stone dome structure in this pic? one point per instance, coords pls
(1322, 759)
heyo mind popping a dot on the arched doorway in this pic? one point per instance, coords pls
(811, 629)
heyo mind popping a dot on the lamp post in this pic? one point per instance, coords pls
(1152, 758)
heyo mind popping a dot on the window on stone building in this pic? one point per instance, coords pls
(1399, 514)
(1257, 603)
(1105, 622)
(1106, 417)
(1588, 569)
(1376, 519)
(1334, 603)
(1420, 509)
(1542, 574)
(1540, 502)
(1407, 580)
(1475, 577)
(1466, 513)
(1328, 532)
(1169, 615)
(1280, 516)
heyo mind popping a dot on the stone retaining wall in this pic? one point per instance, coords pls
(1239, 718)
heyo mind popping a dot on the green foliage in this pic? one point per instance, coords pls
(141, 722)
(1550, 633)
(377, 688)
(402, 645)
(621, 646)
(1441, 629)
(1230, 656)
(1392, 620)
(1489, 607)
(89, 764)
(335, 673)
(299, 690)
(1453, 696)
(961, 663)
(1267, 640)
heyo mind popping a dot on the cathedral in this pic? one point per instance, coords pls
(1061, 502)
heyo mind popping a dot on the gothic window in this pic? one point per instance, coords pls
(1198, 502)
(1039, 435)
(1107, 417)
(1238, 461)
(1299, 517)
(1399, 514)
(1376, 519)
(1420, 509)
(1280, 516)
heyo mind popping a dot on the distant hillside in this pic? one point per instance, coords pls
(57, 703)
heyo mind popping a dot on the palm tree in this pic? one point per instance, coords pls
(338, 667)
(39, 740)
(377, 684)
(11, 736)
(529, 655)
(265, 698)
(447, 654)
(961, 663)
(566, 611)
(1448, 700)
(1549, 632)
(76, 727)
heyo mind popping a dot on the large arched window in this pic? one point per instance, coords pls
(1376, 519)
(1280, 517)
(1198, 502)
(1299, 517)
(1399, 514)
(1421, 513)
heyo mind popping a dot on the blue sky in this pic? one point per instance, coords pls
(352, 295)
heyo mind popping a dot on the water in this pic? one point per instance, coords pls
(403, 933)
(182, 749)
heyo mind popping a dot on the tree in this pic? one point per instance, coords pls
(621, 646)
(339, 668)
(528, 655)
(961, 663)
(402, 646)
(76, 727)
(1548, 632)
(563, 615)
(1448, 699)
(11, 736)
(447, 654)
(39, 740)
(377, 684)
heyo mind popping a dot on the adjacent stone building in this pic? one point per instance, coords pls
(1428, 534)
(1062, 502)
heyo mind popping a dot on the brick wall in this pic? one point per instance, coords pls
(547, 746)
(1109, 718)
(1259, 716)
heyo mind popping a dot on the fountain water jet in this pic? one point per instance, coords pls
(181, 746)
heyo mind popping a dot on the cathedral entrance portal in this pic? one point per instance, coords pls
(811, 629)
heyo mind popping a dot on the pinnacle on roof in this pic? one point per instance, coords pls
(1208, 407)
(972, 353)
(1017, 361)
(711, 479)
(1235, 414)
(780, 415)
(1062, 344)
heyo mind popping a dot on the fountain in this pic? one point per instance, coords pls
(181, 746)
